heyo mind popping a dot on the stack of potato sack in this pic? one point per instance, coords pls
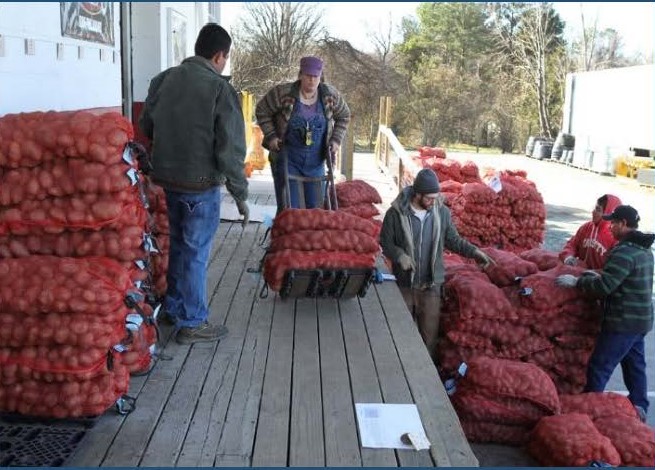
(70, 188)
(59, 321)
(357, 197)
(593, 426)
(306, 239)
(511, 216)
(515, 311)
(501, 401)
(516, 403)
(160, 230)
(425, 153)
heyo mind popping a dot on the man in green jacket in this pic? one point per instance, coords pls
(416, 229)
(194, 119)
(626, 284)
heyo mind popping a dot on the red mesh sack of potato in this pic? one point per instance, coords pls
(634, 440)
(508, 267)
(544, 259)
(473, 296)
(485, 432)
(570, 440)
(598, 405)
(293, 220)
(351, 193)
(364, 210)
(477, 407)
(511, 379)
(541, 292)
(325, 240)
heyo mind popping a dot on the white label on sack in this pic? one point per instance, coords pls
(133, 318)
(495, 184)
(155, 312)
(140, 264)
(127, 155)
(120, 348)
(461, 370)
(138, 284)
(133, 176)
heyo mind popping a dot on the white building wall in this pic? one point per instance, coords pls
(42, 82)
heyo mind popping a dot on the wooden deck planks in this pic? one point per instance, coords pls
(393, 381)
(339, 421)
(363, 375)
(307, 445)
(272, 436)
(449, 445)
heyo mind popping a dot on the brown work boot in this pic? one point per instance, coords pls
(205, 333)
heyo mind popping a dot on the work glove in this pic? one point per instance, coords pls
(566, 280)
(571, 260)
(591, 272)
(484, 259)
(244, 210)
(406, 263)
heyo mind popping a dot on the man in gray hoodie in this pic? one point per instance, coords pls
(416, 229)
(193, 116)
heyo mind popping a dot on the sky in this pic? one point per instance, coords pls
(355, 21)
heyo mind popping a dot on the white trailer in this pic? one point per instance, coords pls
(610, 113)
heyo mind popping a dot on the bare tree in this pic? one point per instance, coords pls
(270, 38)
(589, 35)
(539, 38)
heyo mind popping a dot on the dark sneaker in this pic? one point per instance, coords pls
(641, 412)
(205, 333)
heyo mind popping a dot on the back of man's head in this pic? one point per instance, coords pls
(212, 39)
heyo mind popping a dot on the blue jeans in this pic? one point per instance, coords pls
(193, 220)
(611, 350)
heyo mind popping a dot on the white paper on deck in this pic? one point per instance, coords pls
(382, 424)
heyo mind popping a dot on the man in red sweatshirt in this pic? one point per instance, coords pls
(593, 240)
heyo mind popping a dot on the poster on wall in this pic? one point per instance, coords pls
(176, 37)
(89, 21)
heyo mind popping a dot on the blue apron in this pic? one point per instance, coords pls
(304, 144)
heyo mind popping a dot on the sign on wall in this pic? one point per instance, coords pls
(89, 21)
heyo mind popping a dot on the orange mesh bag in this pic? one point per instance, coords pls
(544, 259)
(598, 405)
(541, 292)
(570, 440)
(473, 296)
(293, 220)
(124, 244)
(325, 240)
(486, 432)
(46, 284)
(511, 379)
(634, 440)
(478, 407)
(76, 399)
(364, 210)
(32, 139)
(351, 193)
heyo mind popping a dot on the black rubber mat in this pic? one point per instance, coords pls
(38, 445)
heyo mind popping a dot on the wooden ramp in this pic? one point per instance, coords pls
(280, 389)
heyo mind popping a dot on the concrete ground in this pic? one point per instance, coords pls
(569, 194)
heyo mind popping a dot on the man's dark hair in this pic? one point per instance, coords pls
(212, 39)
(602, 201)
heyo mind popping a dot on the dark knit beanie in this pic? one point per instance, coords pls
(426, 182)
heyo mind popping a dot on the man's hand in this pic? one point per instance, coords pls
(275, 145)
(571, 260)
(406, 262)
(244, 210)
(484, 259)
(566, 280)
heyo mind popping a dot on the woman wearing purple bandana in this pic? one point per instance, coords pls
(307, 120)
